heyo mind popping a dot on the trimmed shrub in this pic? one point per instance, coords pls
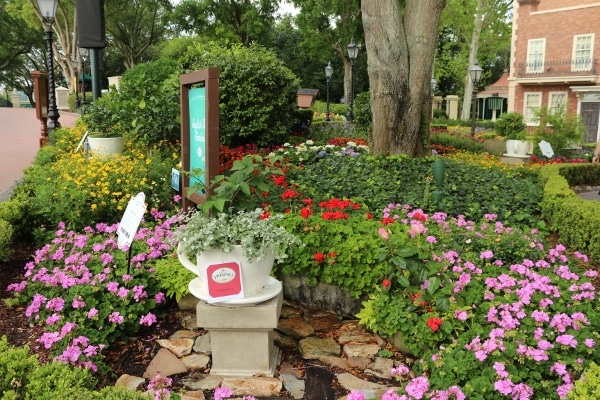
(257, 92)
(509, 124)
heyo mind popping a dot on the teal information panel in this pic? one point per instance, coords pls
(197, 104)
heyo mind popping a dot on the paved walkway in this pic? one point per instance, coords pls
(20, 132)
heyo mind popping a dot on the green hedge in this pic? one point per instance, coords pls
(576, 221)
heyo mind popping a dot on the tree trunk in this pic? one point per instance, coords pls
(473, 50)
(400, 44)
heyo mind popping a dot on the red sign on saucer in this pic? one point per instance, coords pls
(225, 281)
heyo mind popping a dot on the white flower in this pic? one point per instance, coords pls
(250, 230)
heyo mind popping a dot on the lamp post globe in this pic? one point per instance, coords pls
(82, 54)
(434, 86)
(475, 74)
(328, 73)
(48, 11)
(352, 54)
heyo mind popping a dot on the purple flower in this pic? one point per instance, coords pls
(55, 304)
(567, 340)
(504, 386)
(112, 287)
(400, 370)
(148, 319)
(159, 297)
(417, 387)
(123, 292)
(78, 302)
(222, 393)
(49, 338)
(559, 368)
(540, 316)
(116, 318)
(500, 370)
(92, 313)
(486, 254)
(54, 318)
(68, 328)
(461, 315)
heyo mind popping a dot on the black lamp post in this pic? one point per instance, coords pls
(328, 73)
(76, 65)
(352, 54)
(434, 86)
(82, 54)
(48, 11)
(475, 74)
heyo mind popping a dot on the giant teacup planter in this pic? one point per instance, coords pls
(517, 148)
(230, 278)
(105, 146)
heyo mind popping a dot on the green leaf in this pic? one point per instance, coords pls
(434, 284)
(244, 188)
(442, 304)
(403, 281)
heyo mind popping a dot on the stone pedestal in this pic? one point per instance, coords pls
(514, 160)
(241, 337)
(62, 98)
(15, 99)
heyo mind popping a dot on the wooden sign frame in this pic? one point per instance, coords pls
(40, 92)
(199, 129)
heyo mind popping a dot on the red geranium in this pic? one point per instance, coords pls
(319, 257)
(305, 212)
(434, 323)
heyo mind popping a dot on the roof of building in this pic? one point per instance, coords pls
(499, 87)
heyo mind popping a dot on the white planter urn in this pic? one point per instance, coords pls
(517, 148)
(105, 146)
(257, 283)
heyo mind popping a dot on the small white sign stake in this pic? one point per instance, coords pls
(131, 220)
(546, 149)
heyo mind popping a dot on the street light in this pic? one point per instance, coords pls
(82, 54)
(48, 11)
(475, 74)
(76, 65)
(352, 54)
(328, 73)
(434, 86)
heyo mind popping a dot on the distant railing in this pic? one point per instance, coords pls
(538, 69)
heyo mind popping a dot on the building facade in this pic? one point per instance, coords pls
(554, 62)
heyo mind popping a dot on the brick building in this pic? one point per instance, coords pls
(553, 59)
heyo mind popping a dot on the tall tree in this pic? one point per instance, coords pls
(333, 22)
(229, 21)
(16, 37)
(134, 26)
(64, 31)
(482, 32)
(400, 40)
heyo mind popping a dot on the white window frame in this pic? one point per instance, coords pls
(582, 53)
(557, 101)
(536, 53)
(530, 118)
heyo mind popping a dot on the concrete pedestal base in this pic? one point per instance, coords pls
(242, 337)
(514, 160)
